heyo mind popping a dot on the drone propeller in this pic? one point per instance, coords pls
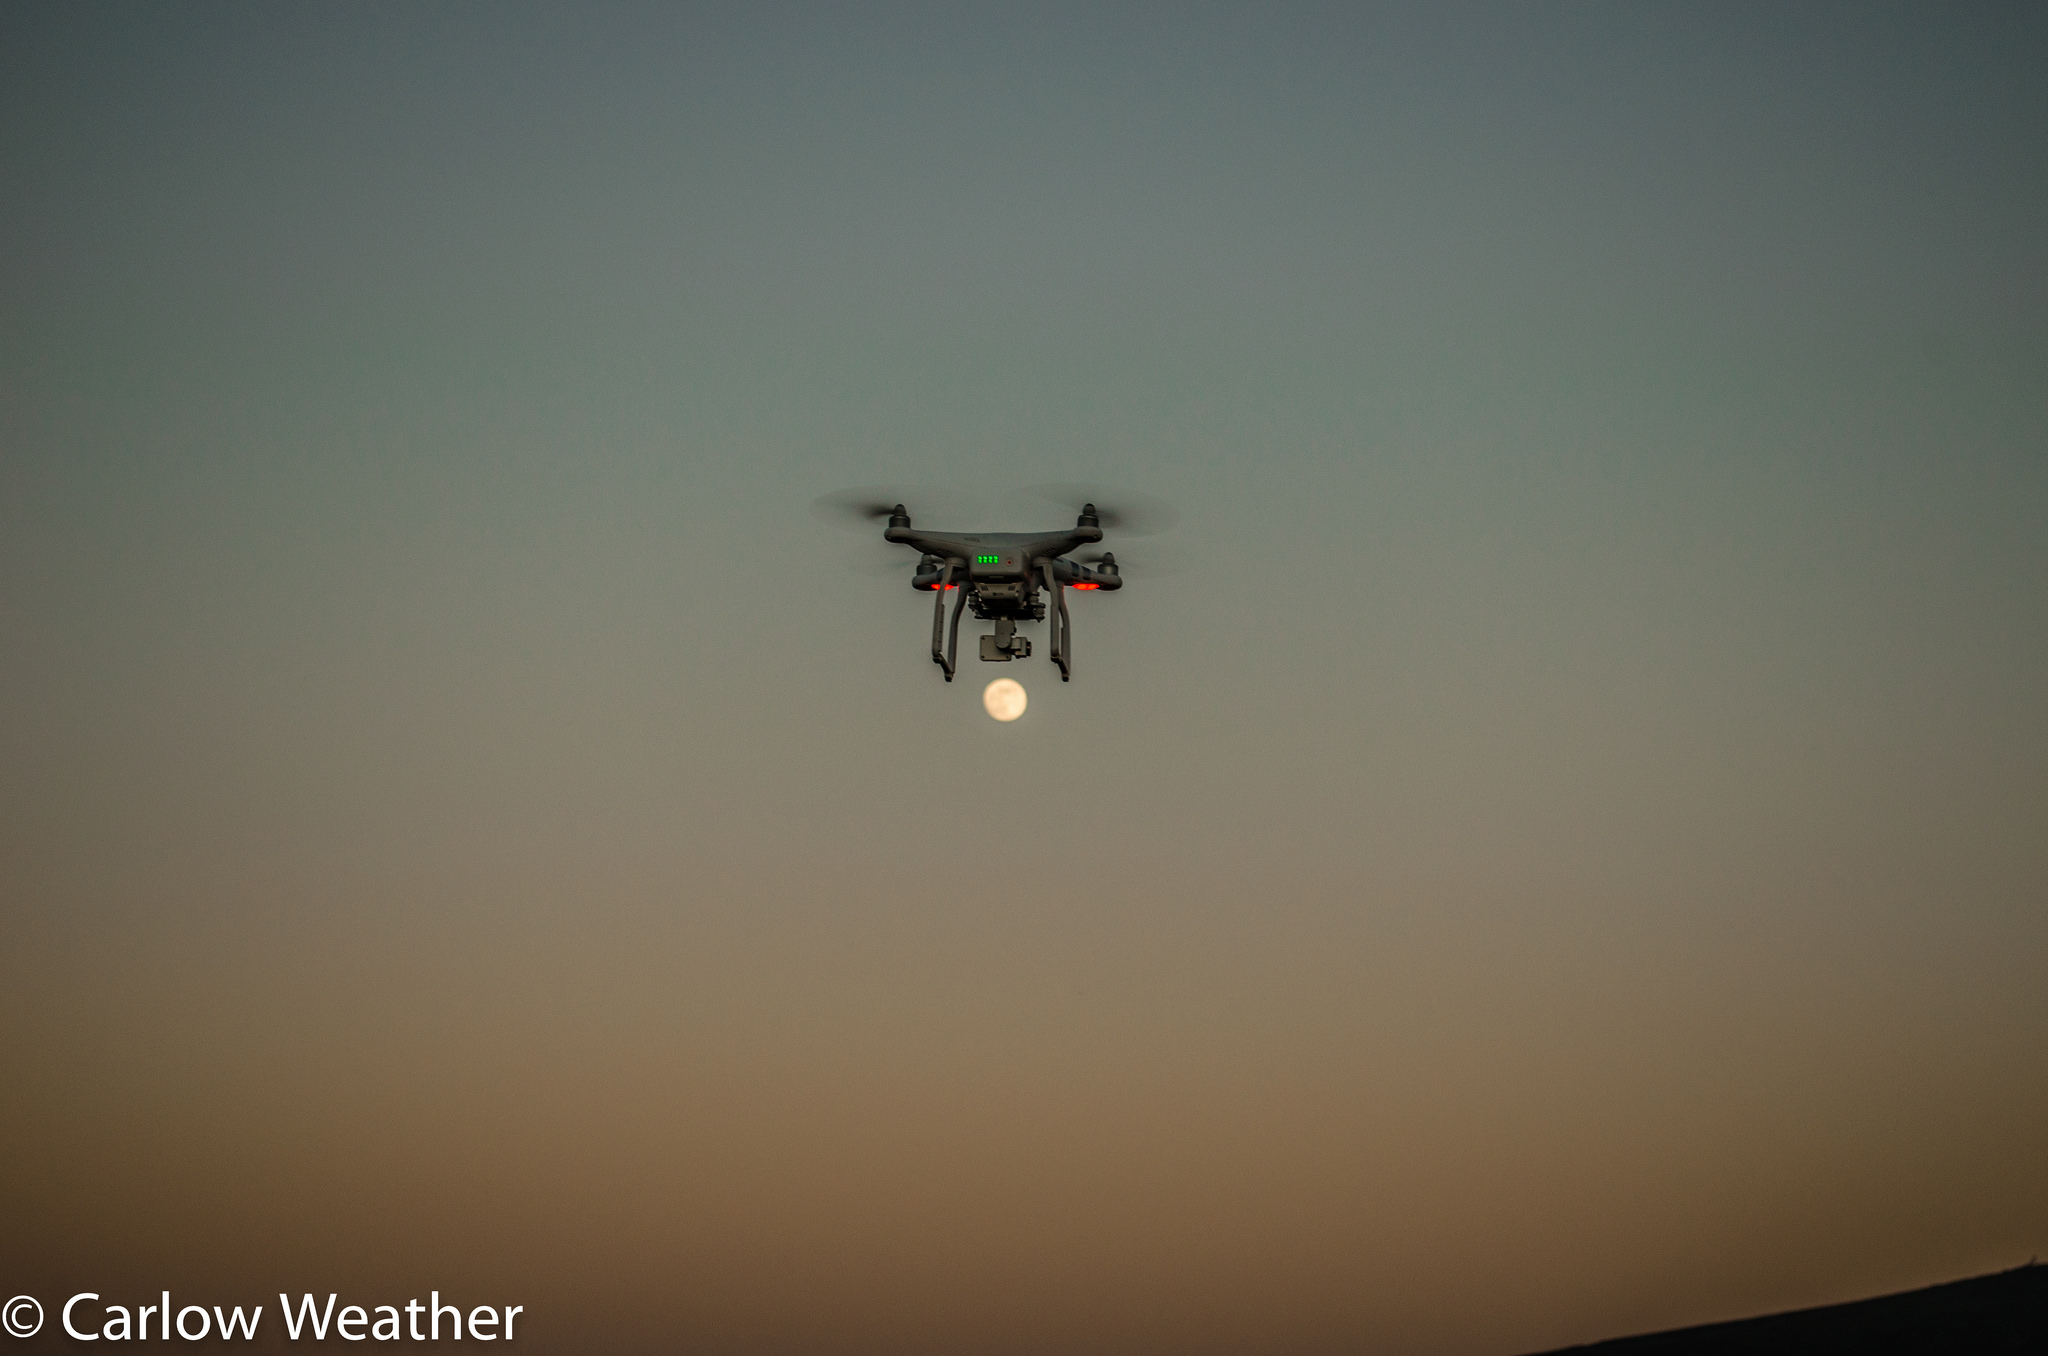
(855, 508)
(1124, 512)
(1152, 571)
(866, 506)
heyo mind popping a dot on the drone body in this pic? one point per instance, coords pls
(1006, 577)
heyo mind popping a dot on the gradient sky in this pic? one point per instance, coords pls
(1557, 847)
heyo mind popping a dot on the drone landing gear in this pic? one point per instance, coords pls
(1062, 630)
(945, 657)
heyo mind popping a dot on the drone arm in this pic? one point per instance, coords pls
(930, 545)
(1075, 575)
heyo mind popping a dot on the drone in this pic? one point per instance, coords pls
(1004, 577)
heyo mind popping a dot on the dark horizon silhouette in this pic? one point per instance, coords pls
(2005, 1312)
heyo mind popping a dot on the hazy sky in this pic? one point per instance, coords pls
(1556, 846)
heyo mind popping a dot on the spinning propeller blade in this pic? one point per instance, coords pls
(869, 506)
(1124, 512)
(1154, 570)
(855, 508)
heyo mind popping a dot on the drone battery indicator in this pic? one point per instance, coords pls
(988, 560)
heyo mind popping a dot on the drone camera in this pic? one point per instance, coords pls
(1005, 644)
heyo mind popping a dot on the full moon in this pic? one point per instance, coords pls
(1004, 698)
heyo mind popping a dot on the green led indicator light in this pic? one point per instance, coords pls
(988, 560)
